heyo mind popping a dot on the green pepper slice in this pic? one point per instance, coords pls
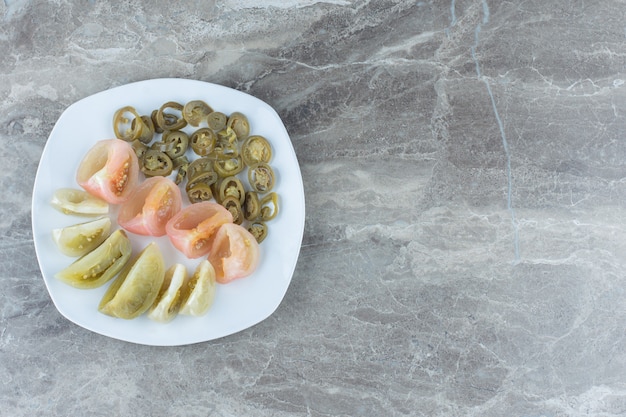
(229, 167)
(162, 146)
(258, 230)
(139, 147)
(195, 111)
(232, 187)
(256, 149)
(199, 192)
(217, 120)
(239, 123)
(251, 205)
(171, 120)
(181, 164)
(127, 124)
(261, 177)
(203, 141)
(156, 163)
(200, 166)
(155, 122)
(179, 141)
(226, 135)
(269, 207)
(234, 207)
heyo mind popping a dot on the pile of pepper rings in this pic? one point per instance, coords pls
(221, 148)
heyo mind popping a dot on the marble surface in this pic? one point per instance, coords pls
(465, 240)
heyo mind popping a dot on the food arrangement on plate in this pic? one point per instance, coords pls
(141, 171)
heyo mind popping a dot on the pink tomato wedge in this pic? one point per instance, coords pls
(109, 170)
(234, 254)
(192, 230)
(154, 202)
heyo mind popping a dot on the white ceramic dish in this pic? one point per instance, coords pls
(238, 305)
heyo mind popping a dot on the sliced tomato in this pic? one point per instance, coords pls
(109, 170)
(151, 206)
(234, 254)
(192, 230)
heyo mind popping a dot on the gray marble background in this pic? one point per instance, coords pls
(463, 164)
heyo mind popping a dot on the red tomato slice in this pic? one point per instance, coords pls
(234, 254)
(192, 230)
(109, 170)
(152, 205)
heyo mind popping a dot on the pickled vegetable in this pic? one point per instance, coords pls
(258, 230)
(269, 207)
(168, 301)
(82, 238)
(234, 254)
(138, 285)
(196, 111)
(109, 170)
(217, 120)
(152, 205)
(232, 187)
(251, 206)
(199, 292)
(156, 163)
(256, 149)
(129, 126)
(234, 207)
(100, 265)
(239, 123)
(193, 229)
(170, 116)
(80, 202)
(261, 177)
(203, 141)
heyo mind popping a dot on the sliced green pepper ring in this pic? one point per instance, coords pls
(199, 192)
(127, 124)
(224, 150)
(269, 207)
(180, 142)
(155, 123)
(226, 135)
(239, 123)
(200, 166)
(203, 141)
(146, 131)
(156, 163)
(256, 149)
(251, 206)
(234, 207)
(169, 120)
(195, 111)
(232, 187)
(139, 147)
(217, 120)
(206, 177)
(261, 177)
(258, 230)
(229, 167)
(162, 146)
(181, 164)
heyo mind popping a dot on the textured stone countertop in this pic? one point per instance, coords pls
(464, 252)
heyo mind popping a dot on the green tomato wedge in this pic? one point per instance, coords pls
(82, 238)
(80, 202)
(167, 303)
(100, 265)
(199, 293)
(135, 289)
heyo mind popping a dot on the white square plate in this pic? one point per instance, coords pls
(239, 304)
